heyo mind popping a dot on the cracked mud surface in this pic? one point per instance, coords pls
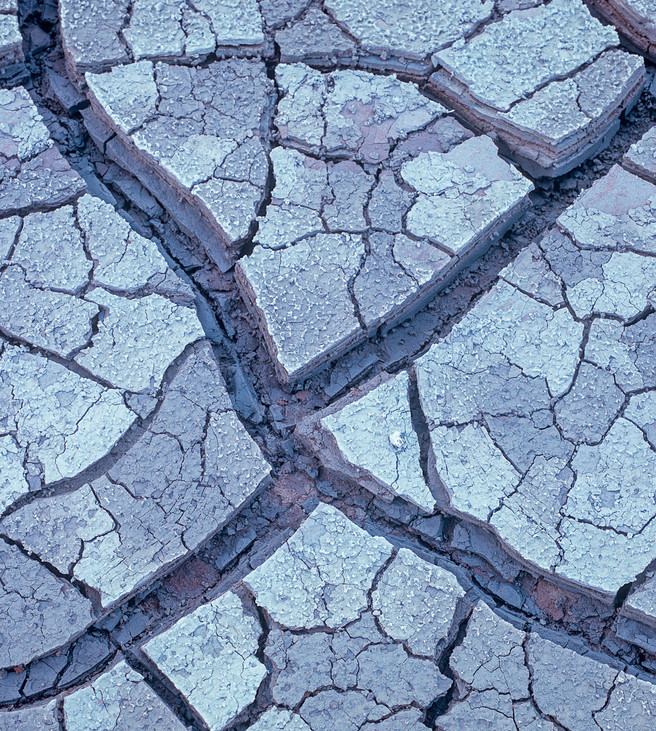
(327, 365)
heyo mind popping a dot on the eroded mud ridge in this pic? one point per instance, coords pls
(327, 365)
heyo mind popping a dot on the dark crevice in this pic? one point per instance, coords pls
(422, 431)
(440, 706)
(622, 594)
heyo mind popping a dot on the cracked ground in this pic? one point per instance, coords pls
(327, 365)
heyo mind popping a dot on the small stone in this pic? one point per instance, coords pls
(363, 431)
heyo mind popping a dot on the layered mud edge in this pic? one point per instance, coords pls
(270, 411)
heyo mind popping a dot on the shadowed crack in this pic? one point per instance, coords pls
(440, 706)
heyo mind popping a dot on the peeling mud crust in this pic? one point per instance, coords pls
(220, 564)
